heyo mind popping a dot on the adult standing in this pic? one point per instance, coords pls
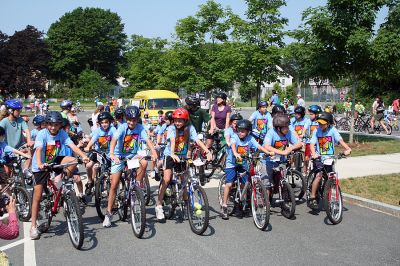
(197, 116)
(300, 101)
(275, 98)
(220, 115)
(395, 105)
(99, 109)
(378, 110)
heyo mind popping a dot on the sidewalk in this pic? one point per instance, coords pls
(368, 165)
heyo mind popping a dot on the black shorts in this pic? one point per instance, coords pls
(41, 178)
(320, 166)
(169, 163)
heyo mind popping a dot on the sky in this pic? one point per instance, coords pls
(150, 18)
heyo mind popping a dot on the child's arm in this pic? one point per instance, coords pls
(28, 137)
(204, 148)
(78, 151)
(89, 145)
(344, 145)
(269, 148)
(21, 153)
(113, 143)
(38, 153)
(270, 153)
(314, 154)
(153, 151)
(173, 156)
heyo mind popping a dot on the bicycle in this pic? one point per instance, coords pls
(185, 192)
(54, 197)
(238, 195)
(329, 189)
(294, 174)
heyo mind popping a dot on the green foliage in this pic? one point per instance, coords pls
(247, 91)
(340, 108)
(291, 92)
(90, 84)
(90, 38)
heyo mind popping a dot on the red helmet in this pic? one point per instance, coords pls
(181, 113)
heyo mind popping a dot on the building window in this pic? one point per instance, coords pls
(283, 82)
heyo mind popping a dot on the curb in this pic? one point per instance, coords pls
(375, 205)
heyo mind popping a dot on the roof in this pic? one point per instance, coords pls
(164, 93)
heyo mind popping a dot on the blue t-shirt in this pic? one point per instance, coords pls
(34, 133)
(51, 146)
(261, 122)
(181, 146)
(14, 130)
(5, 152)
(299, 125)
(243, 147)
(163, 132)
(102, 138)
(325, 141)
(313, 126)
(279, 142)
(128, 140)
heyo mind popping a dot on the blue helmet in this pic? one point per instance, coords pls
(316, 109)
(66, 104)
(13, 104)
(37, 120)
(132, 112)
(261, 104)
(54, 117)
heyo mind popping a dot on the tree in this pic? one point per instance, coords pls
(26, 57)
(90, 83)
(90, 38)
(5, 69)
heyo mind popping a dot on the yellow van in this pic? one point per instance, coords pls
(152, 101)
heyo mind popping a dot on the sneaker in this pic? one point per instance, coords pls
(225, 215)
(313, 204)
(160, 213)
(107, 220)
(157, 177)
(34, 233)
(88, 189)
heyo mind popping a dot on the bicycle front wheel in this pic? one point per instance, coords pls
(74, 219)
(198, 210)
(101, 192)
(231, 198)
(138, 212)
(333, 203)
(297, 182)
(288, 205)
(146, 190)
(23, 203)
(260, 206)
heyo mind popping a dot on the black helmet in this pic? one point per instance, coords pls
(325, 116)
(244, 124)
(300, 110)
(261, 104)
(278, 109)
(54, 117)
(316, 109)
(236, 117)
(2, 131)
(119, 113)
(168, 115)
(192, 100)
(66, 122)
(104, 115)
(280, 120)
(222, 95)
(39, 119)
(132, 112)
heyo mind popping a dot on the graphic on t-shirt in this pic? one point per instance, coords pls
(262, 125)
(281, 144)
(52, 151)
(130, 143)
(325, 145)
(298, 129)
(180, 145)
(104, 142)
(312, 128)
(242, 150)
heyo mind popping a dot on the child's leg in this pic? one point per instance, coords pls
(230, 178)
(37, 195)
(115, 177)
(163, 186)
(315, 184)
(141, 171)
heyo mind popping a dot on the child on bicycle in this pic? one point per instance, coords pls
(161, 140)
(241, 145)
(101, 138)
(119, 117)
(313, 111)
(322, 144)
(278, 140)
(125, 144)
(178, 137)
(39, 123)
(48, 145)
(231, 131)
(261, 119)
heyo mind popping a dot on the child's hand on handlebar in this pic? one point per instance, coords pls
(114, 158)
(175, 158)
(347, 152)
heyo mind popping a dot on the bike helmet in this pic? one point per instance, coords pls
(119, 113)
(132, 112)
(244, 124)
(168, 115)
(281, 120)
(325, 118)
(278, 109)
(300, 110)
(261, 104)
(66, 104)
(222, 95)
(2, 131)
(54, 117)
(236, 117)
(39, 119)
(104, 115)
(13, 104)
(180, 113)
(316, 109)
(192, 101)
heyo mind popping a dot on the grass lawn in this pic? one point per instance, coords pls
(383, 188)
(368, 145)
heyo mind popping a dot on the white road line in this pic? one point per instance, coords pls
(29, 247)
(13, 244)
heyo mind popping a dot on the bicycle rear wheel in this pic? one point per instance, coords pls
(146, 190)
(288, 205)
(102, 190)
(297, 182)
(23, 203)
(231, 198)
(73, 217)
(169, 204)
(198, 210)
(45, 216)
(333, 203)
(138, 211)
(260, 206)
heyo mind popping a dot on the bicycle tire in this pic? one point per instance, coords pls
(169, 204)
(146, 190)
(73, 217)
(138, 211)
(220, 164)
(335, 214)
(23, 203)
(102, 185)
(231, 198)
(121, 201)
(193, 210)
(288, 206)
(261, 221)
(297, 182)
